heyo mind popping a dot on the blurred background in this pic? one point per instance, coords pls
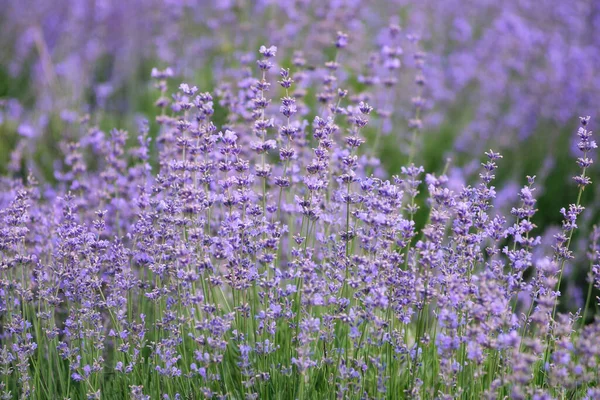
(510, 75)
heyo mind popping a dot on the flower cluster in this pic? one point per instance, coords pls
(271, 256)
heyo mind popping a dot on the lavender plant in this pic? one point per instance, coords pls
(270, 256)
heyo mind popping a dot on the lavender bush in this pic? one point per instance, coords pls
(248, 242)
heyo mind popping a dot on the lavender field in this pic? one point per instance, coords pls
(299, 199)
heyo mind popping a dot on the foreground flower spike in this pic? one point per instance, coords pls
(563, 240)
(585, 145)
